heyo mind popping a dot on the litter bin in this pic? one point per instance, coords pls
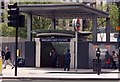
(96, 65)
(20, 62)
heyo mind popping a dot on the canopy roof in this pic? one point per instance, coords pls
(61, 11)
(59, 33)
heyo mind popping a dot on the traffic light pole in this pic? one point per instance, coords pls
(15, 20)
(98, 61)
(98, 67)
(16, 42)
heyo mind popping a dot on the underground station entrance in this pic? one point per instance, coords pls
(60, 41)
(62, 37)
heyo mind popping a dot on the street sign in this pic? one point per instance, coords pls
(55, 39)
(118, 28)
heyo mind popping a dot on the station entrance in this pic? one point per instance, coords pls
(60, 41)
(62, 11)
(60, 49)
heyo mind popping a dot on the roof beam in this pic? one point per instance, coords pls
(62, 10)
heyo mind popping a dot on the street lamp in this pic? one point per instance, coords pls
(98, 60)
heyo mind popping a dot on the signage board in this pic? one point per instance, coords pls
(55, 39)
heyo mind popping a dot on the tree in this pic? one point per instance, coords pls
(37, 23)
(6, 31)
(113, 11)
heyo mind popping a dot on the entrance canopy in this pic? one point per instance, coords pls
(61, 11)
(59, 33)
(64, 11)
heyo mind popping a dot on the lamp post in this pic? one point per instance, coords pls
(98, 60)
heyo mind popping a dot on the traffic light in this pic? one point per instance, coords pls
(98, 52)
(2, 5)
(21, 21)
(13, 13)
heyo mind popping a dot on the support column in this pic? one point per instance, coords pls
(38, 51)
(53, 24)
(72, 48)
(29, 27)
(107, 30)
(94, 28)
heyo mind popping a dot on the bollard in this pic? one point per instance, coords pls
(0, 66)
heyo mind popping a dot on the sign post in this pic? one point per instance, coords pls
(76, 25)
(76, 38)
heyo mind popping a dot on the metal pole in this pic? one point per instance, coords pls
(16, 41)
(98, 68)
(76, 37)
(119, 53)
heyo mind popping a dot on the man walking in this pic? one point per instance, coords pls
(7, 58)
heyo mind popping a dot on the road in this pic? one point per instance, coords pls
(28, 80)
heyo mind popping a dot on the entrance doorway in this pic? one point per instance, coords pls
(60, 49)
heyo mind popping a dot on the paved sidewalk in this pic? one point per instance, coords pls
(58, 73)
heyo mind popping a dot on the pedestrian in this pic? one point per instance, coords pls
(67, 60)
(107, 60)
(7, 58)
(53, 57)
(2, 54)
(114, 60)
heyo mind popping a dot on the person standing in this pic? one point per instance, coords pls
(7, 58)
(107, 60)
(114, 60)
(67, 60)
(53, 56)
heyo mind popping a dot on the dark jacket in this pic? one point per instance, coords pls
(3, 54)
(7, 55)
(67, 56)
